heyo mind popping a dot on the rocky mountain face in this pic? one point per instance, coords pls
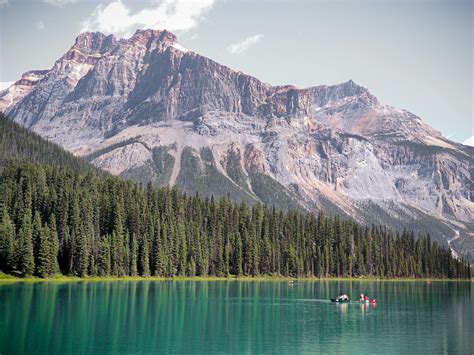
(148, 109)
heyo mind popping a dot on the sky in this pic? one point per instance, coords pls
(416, 55)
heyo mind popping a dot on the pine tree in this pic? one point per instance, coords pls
(157, 249)
(7, 242)
(103, 261)
(81, 255)
(144, 258)
(44, 264)
(238, 255)
(182, 248)
(133, 256)
(54, 245)
(36, 237)
(25, 258)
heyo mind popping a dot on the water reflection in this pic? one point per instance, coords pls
(342, 307)
(234, 317)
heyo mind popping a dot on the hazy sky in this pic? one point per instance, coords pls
(416, 55)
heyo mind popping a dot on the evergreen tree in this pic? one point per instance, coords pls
(53, 234)
(81, 255)
(44, 264)
(144, 258)
(103, 260)
(7, 242)
(25, 264)
(133, 256)
(36, 237)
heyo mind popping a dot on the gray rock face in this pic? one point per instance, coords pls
(148, 109)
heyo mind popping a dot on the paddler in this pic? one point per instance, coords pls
(343, 297)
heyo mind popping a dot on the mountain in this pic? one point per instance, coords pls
(148, 109)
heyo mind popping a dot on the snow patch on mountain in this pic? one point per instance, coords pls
(180, 47)
(469, 141)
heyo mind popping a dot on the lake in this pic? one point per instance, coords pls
(185, 317)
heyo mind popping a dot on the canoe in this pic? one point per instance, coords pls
(372, 300)
(335, 300)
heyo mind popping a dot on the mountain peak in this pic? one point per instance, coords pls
(351, 88)
(329, 95)
(94, 42)
(146, 35)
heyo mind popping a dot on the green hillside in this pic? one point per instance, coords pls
(20, 144)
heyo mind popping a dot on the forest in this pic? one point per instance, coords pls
(58, 219)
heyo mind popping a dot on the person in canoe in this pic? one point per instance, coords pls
(342, 298)
(365, 299)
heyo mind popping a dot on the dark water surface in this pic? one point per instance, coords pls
(271, 317)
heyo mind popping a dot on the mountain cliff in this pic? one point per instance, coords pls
(148, 109)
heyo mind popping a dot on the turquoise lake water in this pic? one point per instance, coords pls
(186, 317)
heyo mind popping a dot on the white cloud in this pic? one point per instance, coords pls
(469, 141)
(5, 84)
(60, 2)
(242, 46)
(3, 2)
(173, 15)
(39, 25)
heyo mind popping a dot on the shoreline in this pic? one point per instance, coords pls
(9, 279)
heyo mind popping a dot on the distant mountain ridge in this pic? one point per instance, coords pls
(148, 109)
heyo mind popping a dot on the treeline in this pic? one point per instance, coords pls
(19, 144)
(57, 220)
